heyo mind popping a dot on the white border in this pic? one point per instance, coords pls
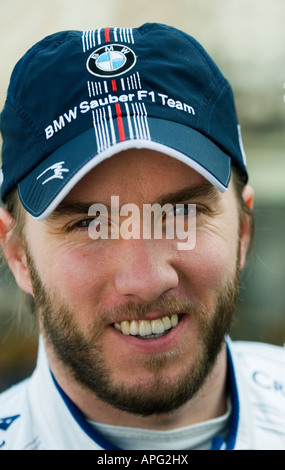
(113, 150)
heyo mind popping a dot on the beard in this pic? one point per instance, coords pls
(83, 356)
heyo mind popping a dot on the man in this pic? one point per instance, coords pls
(134, 352)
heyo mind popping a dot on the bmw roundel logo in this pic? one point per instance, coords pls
(111, 60)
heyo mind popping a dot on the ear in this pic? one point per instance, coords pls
(248, 197)
(14, 253)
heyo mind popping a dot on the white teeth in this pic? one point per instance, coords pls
(174, 320)
(167, 323)
(125, 325)
(157, 327)
(134, 328)
(146, 327)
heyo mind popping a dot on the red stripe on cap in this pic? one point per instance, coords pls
(107, 34)
(120, 122)
(114, 85)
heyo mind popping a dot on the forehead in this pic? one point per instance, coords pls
(134, 173)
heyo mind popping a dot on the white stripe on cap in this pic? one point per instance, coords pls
(110, 152)
(241, 144)
(93, 38)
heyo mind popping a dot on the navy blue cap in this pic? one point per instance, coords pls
(77, 98)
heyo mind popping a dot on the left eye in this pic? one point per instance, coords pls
(84, 223)
(183, 209)
(81, 225)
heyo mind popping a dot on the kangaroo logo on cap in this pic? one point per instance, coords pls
(111, 60)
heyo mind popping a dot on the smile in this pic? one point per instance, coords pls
(147, 329)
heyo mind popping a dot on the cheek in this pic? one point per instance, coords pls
(212, 263)
(78, 277)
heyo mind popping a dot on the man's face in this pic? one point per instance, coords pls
(83, 287)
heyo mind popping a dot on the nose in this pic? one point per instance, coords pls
(145, 270)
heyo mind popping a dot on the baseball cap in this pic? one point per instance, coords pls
(77, 98)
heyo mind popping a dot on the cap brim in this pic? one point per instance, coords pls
(42, 190)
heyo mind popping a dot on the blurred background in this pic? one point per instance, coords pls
(246, 38)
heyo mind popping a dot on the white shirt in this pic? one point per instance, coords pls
(196, 436)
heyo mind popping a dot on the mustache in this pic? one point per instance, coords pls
(165, 306)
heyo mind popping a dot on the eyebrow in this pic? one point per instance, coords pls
(198, 192)
(70, 208)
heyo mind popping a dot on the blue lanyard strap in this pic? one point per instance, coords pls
(218, 443)
(82, 422)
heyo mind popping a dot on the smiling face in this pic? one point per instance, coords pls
(137, 322)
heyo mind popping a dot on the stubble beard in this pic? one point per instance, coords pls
(82, 354)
